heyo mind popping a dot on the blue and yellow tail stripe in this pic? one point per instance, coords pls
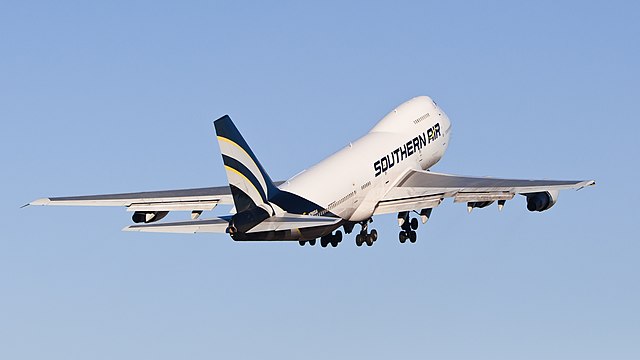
(232, 164)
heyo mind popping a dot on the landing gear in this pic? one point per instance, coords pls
(333, 239)
(414, 224)
(311, 242)
(365, 237)
(324, 241)
(404, 235)
(408, 226)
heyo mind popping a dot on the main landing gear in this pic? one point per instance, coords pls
(408, 227)
(333, 239)
(310, 242)
(365, 237)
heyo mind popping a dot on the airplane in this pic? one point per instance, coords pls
(384, 171)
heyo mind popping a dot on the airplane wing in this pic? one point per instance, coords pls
(219, 225)
(198, 199)
(424, 189)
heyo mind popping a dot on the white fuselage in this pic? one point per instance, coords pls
(352, 181)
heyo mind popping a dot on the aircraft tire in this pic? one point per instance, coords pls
(414, 224)
(324, 241)
(413, 236)
(369, 240)
(374, 235)
(359, 240)
(402, 236)
(301, 242)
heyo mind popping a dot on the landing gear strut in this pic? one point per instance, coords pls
(333, 239)
(408, 227)
(365, 237)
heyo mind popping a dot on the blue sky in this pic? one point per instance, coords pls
(120, 96)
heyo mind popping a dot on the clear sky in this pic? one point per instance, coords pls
(99, 97)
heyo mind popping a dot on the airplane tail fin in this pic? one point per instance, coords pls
(250, 184)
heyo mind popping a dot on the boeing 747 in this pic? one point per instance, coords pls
(384, 171)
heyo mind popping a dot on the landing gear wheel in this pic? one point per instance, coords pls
(312, 242)
(359, 240)
(338, 236)
(413, 237)
(414, 224)
(369, 240)
(334, 242)
(301, 242)
(324, 241)
(402, 236)
(374, 235)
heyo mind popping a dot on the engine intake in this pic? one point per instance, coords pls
(541, 201)
(148, 216)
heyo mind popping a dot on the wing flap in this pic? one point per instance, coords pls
(487, 196)
(407, 204)
(174, 206)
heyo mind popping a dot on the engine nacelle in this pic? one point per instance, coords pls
(148, 216)
(541, 201)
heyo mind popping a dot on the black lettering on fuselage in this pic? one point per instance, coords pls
(423, 140)
(385, 163)
(407, 149)
(377, 168)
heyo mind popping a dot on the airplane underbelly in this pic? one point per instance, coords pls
(288, 235)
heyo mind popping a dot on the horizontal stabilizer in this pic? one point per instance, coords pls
(214, 225)
(293, 221)
(219, 225)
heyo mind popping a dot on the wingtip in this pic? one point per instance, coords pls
(587, 183)
(42, 201)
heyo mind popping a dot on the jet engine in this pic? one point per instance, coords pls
(148, 216)
(541, 201)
